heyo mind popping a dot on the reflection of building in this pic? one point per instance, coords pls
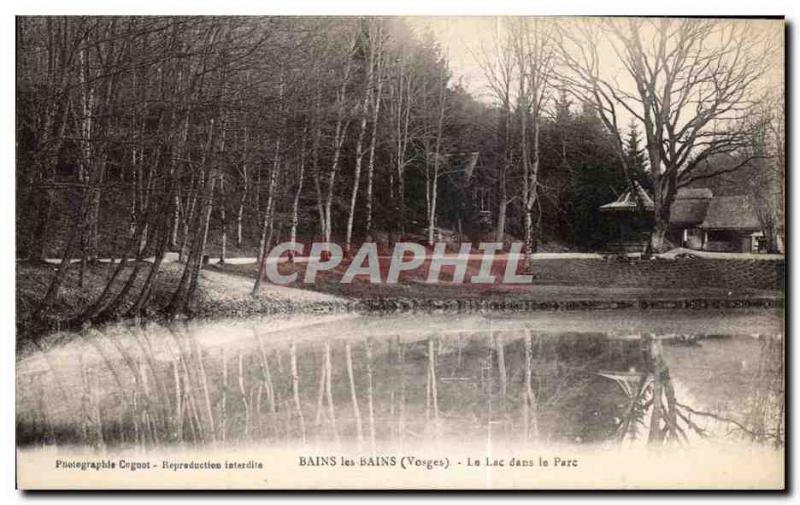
(698, 220)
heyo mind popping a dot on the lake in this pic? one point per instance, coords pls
(372, 383)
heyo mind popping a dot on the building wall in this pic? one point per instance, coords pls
(728, 241)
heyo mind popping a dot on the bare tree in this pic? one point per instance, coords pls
(499, 65)
(690, 82)
(432, 170)
(400, 102)
(768, 150)
(343, 118)
(376, 107)
(534, 52)
(371, 38)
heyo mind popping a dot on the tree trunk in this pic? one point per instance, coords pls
(359, 153)
(664, 196)
(263, 246)
(342, 124)
(103, 300)
(94, 218)
(502, 208)
(182, 293)
(223, 221)
(373, 140)
(403, 120)
(341, 130)
(434, 186)
(176, 221)
(147, 288)
(206, 220)
(658, 238)
(194, 258)
(245, 191)
(532, 175)
(500, 230)
(36, 250)
(320, 204)
(298, 191)
(109, 312)
(315, 170)
(61, 273)
(188, 216)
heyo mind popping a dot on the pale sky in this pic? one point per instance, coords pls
(463, 37)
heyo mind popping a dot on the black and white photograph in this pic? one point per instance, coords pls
(372, 252)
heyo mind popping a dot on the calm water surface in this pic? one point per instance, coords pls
(367, 382)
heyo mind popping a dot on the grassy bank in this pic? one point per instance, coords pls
(218, 294)
(225, 290)
(546, 291)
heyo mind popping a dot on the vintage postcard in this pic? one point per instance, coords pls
(438, 253)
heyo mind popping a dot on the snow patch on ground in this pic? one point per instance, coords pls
(222, 287)
(719, 255)
(173, 257)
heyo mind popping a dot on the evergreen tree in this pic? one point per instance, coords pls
(636, 157)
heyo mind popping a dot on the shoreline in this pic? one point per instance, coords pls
(225, 291)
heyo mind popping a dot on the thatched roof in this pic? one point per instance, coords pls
(731, 213)
(689, 207)
(690, 193)
(697, 207)
(627, 201)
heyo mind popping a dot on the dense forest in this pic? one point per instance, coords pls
(220, 136)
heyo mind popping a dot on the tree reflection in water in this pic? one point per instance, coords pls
(654, 407)
(151, 386)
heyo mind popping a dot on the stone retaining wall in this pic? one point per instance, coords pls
(661, 273)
